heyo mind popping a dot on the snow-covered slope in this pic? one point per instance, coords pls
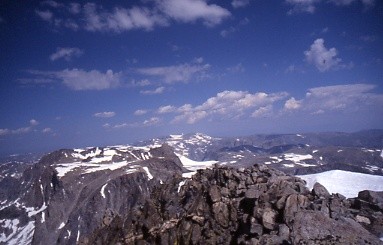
(193, 166)
(349, 184)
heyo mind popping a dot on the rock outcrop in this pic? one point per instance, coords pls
(255, 205)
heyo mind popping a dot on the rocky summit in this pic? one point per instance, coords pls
(256, 205)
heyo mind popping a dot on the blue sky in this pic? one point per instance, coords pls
(109, 72)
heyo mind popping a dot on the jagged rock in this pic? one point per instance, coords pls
(221, 213)
(269, 218)
(312, 227)
(362, 219)
(294, 203)
(320, 191)
(215, 194)
(374, 197)
(255, 228)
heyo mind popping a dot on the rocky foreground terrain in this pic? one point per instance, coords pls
(161, 192)
(256, 205)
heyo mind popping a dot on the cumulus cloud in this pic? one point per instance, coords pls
(166, 109)
(193, 10)
(292, 104)
(4, 131)
(308, 6)
(94, 17)
(146, 123)
(33, 122)
(105, 114)
(302, 6)
(78, 79)
(158, 90)
(324, 59)
(140, 112)
(23, 130)
(366, 3)
(66, 53)
(45, 15)
(47, 130)
(240, 3)
(177, 73)
(140, 83)
(121, 19)
(264, 111)
(152, 121)
(227, 105)
(349, 97)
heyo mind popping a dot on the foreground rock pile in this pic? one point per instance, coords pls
(256, 205)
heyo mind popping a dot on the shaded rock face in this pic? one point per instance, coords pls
(256, 205)
(46, 206)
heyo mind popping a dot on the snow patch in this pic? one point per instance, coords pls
(32, 211)
(314, 151)
(65, 168)
(349, 184)
(150, 176)
(22, 235)
(102, 191)
(61, 225)
(180, 185)
(296, 157)
(195, 165)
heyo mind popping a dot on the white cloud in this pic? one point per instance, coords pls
(227, 105)
(66, 53)
(74, 8)
(193, 10)
(140, 83)
(308, 6)
(152, 121)
(166, 109)
(302, 6)
(22, 130)
(47, 130)
(105, 114)
(349, 97)
(4, 131)
(240, 3)
(342, 2)
(120, 19)
(324, 59)
(140, 112)
(264, 111)
(158, 90)
(33, 122)
(178, 73)
(78, 79)
(157, 13)
(146, 123)
(238, 68)
(45, 15)
(366, 3)
(292, 104)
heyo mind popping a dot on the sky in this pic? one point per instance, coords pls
(98, 73)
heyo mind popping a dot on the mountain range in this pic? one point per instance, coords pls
(99, 195)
